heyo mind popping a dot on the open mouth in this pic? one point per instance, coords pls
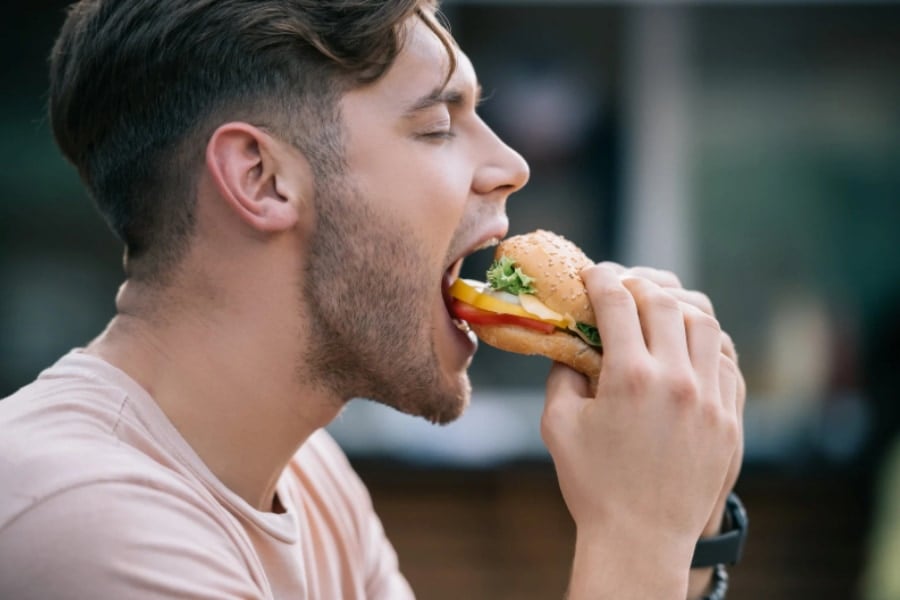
(452, 274)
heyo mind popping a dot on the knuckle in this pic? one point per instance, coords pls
(712, 414)
(694, 299)
(698, 318)
(727, 366)
(556, 420)
(663, 301)
(614, 296)
(549, 425)
(637, 377)
(702, 301)
(728, 346)
(683, 388)
(731, 430)
(612, 265)
(650, 295)
(658, 276)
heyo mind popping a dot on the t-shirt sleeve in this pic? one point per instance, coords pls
(121, 540)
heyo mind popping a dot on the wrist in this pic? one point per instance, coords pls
(700, 583)
(727, 546)
(717, 520)
(623, 563)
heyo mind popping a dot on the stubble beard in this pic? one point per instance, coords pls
(366, 293)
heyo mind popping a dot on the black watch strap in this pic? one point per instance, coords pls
(727, 547)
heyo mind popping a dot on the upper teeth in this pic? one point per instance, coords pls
(488, 244)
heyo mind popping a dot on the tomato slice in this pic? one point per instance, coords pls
(471, 314)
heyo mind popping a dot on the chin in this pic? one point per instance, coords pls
(443, 402)
(461, 398)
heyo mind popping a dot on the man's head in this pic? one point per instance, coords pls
(137, 87)
(322, 177)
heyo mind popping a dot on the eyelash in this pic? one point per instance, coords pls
(449, 134)
(444, 134)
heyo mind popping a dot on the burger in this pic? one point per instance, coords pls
(533, 302)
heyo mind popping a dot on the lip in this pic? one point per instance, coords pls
(490, 236)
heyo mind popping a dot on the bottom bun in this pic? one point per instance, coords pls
(559, 346)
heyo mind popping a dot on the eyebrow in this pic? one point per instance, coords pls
(441, 95)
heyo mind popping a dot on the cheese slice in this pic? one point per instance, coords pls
(479, 295)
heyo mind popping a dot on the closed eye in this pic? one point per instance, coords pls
(444, 134)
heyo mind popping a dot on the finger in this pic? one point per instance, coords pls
(617, 316)
(728, 385)
(563, 380)
(616, 267)
(704, 341)
(695, 299)
(728, 347)
(662, 321)
(741, 398)
(701, 301)
(666, 279)
(741, 394)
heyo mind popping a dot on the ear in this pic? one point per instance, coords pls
(265, 182)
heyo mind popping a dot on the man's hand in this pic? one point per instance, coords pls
(644, 463)
(700, 578)
(671, 284)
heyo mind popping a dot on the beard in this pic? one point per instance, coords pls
(366, 291)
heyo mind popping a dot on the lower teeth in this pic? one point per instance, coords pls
(462, 325)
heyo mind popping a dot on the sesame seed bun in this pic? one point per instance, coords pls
(555, 264)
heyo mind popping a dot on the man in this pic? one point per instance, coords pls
(295, 184)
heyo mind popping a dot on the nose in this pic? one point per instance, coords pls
(502, 170)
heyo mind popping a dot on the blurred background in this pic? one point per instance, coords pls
(751, 147)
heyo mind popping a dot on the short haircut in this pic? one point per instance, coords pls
(138, 86)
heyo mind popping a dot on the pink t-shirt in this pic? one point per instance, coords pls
(100, 497)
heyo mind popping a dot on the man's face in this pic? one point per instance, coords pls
(425, 184)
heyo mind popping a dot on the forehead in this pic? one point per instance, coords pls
(421, 68)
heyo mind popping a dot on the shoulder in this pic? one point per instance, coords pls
(58, 438)
(120, 538)
(88, 509)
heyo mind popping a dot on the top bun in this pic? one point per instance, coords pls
(555, 264)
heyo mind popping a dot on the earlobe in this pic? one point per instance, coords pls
(247, 169)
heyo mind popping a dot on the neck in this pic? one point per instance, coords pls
(231, 384)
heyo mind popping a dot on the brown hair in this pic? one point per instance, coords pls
(137, 87)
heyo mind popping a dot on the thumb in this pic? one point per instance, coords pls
(567, 389)
(565, 381)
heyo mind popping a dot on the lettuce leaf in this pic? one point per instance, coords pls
(505, 276)
(591, 335)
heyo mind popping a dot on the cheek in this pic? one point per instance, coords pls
(444, 185)
(419, 183)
